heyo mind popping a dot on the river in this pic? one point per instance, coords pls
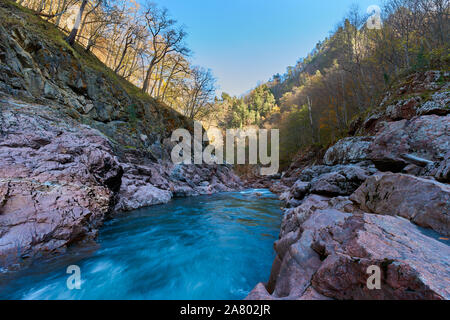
(208, 247)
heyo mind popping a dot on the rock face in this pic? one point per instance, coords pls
(425, 137)
(37, 65)
(57, 181)
(380, 199)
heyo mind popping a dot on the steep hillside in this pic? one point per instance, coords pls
(77, 144)
(39, 66)
(379, 198)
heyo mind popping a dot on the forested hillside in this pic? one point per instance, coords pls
(315, 101)
(137, 40)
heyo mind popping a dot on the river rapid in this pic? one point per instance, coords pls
(208, 247)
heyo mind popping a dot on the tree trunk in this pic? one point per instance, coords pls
(160, 78)
(130, 70)
(41, 7)
(58, 21)
(405, 47)
(89, 45)
(343, 100)
(124, 52)
(311, 120)
(147, 77)
(73, 34)
(156, 79)
(50, 11)
(168, 81)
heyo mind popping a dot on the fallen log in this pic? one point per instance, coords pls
(416, 160)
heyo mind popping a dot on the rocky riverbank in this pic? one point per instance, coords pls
(59, 180)
(378, 198)
(78, 144)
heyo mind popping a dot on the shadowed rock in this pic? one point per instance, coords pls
(425, 202)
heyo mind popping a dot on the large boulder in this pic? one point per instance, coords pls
(300, 189)
(57, 182)
(412, 265)
(403, 109)
(348, 150)
(136, 193)
(279, 187)
(425, 137)
(327, 252)
(341, 182)
(41, 218)
(425, 202)
(310, 173)
(438, 104)
(143, 186)
(294, 217)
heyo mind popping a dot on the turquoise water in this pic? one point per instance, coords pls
(208, 247)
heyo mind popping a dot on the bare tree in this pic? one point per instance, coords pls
(165, 38)
(179, 65)
(200, 90)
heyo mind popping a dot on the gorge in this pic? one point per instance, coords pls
(87, 179)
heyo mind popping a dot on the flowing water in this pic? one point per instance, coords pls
(208, 247)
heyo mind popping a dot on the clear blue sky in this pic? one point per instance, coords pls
(247, 41)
